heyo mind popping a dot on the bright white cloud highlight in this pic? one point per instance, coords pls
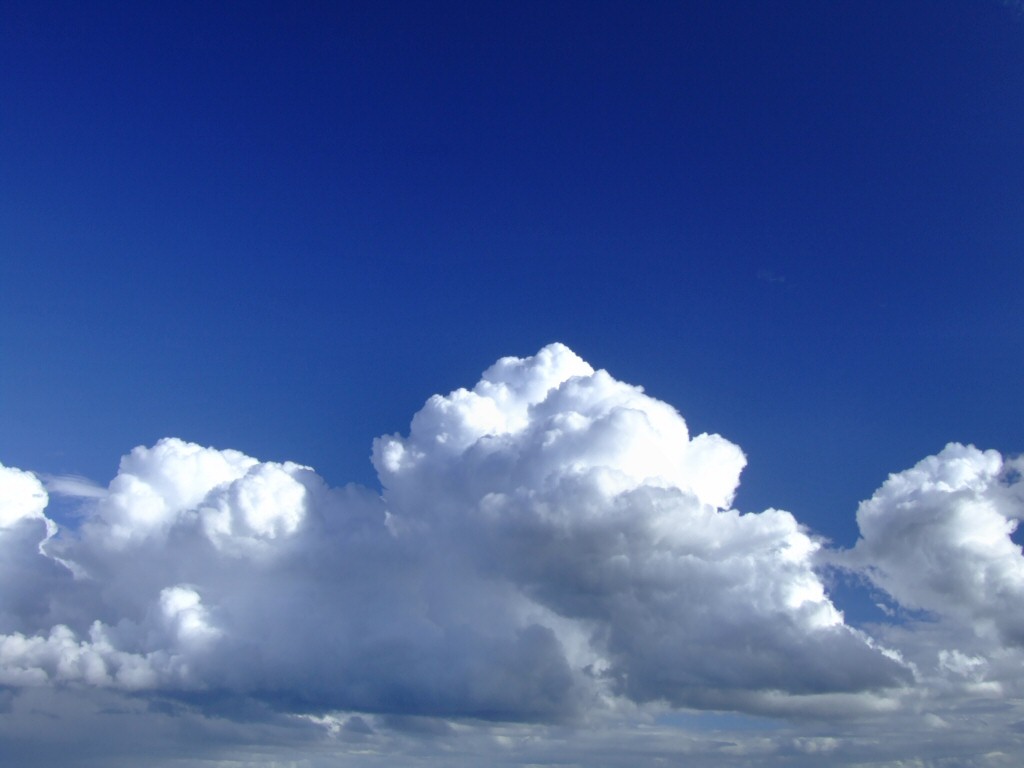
(22, 497)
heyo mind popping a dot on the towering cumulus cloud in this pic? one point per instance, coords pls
(591, 500)
(549, 546)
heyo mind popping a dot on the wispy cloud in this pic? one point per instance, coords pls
(770, 277)
(74, 486)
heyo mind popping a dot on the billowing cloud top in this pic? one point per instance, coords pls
(549, 544)
(533, 422)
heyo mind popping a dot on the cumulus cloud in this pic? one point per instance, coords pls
(593, 500)
(937, 538)
(550, 546)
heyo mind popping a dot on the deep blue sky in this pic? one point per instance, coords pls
(280, 229)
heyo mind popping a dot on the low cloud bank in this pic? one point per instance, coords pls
(550, 545)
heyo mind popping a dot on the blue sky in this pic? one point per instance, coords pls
(280, 229)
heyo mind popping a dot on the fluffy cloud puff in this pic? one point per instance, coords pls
(937, 538)
(549, 544)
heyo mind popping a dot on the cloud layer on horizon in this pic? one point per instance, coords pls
(551, 548)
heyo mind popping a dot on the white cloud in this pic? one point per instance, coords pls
(550, 417)
(552, 548)
(592, 499)
(155, 486)
(74, 486)
(937, 538)
(22, 497)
